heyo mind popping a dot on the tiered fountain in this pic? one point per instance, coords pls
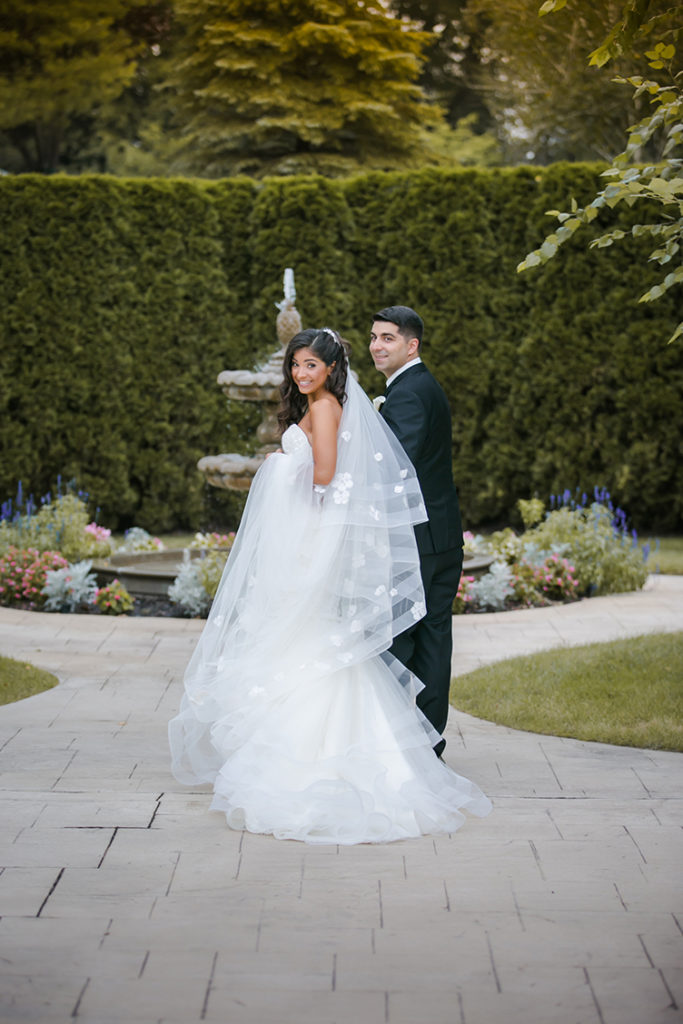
(235, 472)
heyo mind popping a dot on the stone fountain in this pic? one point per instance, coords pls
(262, 385)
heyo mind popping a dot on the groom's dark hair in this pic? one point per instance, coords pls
(409, 323)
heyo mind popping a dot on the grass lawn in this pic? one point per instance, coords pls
(627, 692)
(19, 679)
(668, 558)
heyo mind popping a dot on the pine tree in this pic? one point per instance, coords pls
(59, 60)
(297, 85)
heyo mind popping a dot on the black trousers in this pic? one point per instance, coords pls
(426, 647)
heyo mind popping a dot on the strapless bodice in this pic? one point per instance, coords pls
(294, 439)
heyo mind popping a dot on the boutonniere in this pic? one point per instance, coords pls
(379, 401)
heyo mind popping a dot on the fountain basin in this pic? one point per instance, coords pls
(144, 572)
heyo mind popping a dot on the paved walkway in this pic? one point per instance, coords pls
(124, 901)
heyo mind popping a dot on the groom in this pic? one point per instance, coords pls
(416, 409)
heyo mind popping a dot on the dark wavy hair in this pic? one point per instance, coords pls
(327, 345)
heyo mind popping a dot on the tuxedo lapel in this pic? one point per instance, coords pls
(404, 377)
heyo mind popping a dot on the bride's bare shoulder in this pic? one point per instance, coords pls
(325, 409)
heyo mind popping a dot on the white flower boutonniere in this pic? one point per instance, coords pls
(378, 402)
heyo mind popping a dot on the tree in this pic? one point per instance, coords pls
(452, 58)
(300, 85)
(61, 60)
(548, 106)
(659, 184)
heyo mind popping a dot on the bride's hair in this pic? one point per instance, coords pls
(327, 345)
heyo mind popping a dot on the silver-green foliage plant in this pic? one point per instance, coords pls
(70, 588)
(137, 539)
(195, 586)
(492, 591)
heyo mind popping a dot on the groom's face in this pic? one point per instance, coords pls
(389, 349)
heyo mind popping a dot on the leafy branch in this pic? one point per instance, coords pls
(659, 183)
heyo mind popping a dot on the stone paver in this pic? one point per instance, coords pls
(122, 899)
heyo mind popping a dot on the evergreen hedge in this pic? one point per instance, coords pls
(123, 299)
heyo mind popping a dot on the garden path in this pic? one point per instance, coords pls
(123, 900)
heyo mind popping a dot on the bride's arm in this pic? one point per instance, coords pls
(324, 423)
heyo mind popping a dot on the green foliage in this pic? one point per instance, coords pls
(531, 511)
(313, 85)
(605, 560)
(535, 78)
(114, 599)
(59, 525)
(628, 692)
(59, 59)
(659, 184)
(210, 568)
(122, 300)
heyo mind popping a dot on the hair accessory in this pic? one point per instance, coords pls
(333, 335)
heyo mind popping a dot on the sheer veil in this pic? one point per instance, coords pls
(315, 583)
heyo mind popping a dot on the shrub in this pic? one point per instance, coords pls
(69, 588)
(213, 540)
(23, 573)
(463, 599)
(118, 290)
(114, 599)
(56, 525)
(195, 586)
(492, 591)
(188, 591)
(606, 559)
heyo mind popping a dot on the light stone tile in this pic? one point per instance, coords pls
(43, 847)
(557, 995)
(23, 890)
(249, 1006)
(632, 998)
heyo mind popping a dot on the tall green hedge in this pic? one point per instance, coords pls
(121, 300)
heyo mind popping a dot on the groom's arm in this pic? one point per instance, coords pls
(405, 413)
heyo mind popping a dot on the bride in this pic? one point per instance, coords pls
(293, 709)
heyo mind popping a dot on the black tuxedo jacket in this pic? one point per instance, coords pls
(416, 409)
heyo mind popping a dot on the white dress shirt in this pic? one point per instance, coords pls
(406, 366)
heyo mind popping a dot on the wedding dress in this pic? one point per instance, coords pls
(293, 708)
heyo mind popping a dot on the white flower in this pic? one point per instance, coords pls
(418, 610)
(355, 626)
(378, 456)
(379, 402)
(375, 513)
(346, 435)
(358, 561)
(380, 590)
(336, 640)
(341, 485)
(404, 474)
(398, 488)
(393, 592)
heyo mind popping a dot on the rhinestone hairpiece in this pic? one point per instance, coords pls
(333, 335)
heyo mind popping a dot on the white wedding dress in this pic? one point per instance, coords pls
(293, 709)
